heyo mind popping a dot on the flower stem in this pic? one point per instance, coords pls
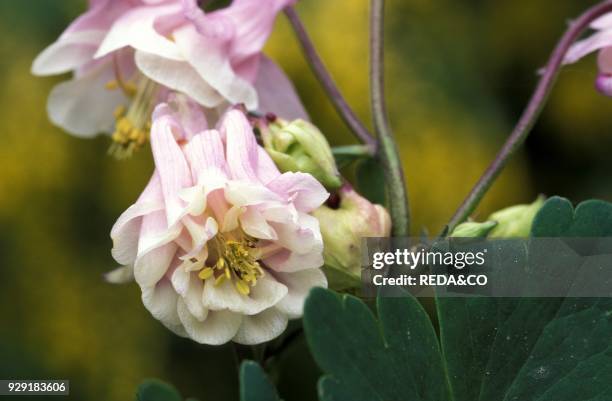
(387, 152)
(325, 79)
(530, 114)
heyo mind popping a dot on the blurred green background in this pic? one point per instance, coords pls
(459, 74)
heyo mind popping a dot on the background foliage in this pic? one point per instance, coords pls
(459, 74)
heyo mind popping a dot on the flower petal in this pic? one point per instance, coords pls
(299, 284)
(262, 327)
(210, 58)
(218, 328)
(206, 158)
(161, 301)
(265, 294)
(276, 93)
(604, 60)
(302, 189)
(253, 22)
(178, 75)
(583, 47)
(126, 230)
(603, 22)
(242, 193)
(136, 28)
(120, 275)
(171, 165)
(190, 288)
(287, 261)
(241, 146)
(255, 225)
(152, 266)
(83, 106)
(266, 169)
(70, 52)
(301, 237)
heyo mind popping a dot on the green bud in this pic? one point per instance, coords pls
(515, 221)
(343, 230)
(473, 229)
(300, 146)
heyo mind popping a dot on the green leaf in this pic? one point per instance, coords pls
(533, 349)
(394, 357)
(506, 349)
(157, 390)
(254, 384)
(370, 180)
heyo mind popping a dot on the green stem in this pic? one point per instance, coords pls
(327, 82)
(387, 151)
(530, 115)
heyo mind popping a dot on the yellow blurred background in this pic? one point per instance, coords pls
(458, 75)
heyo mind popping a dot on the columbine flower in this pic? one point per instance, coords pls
(122, 51)
(602, 41)
(343, 230)
(221, 243)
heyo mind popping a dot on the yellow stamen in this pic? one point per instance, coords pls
(237, 261)
(112, 85)
(133, 124)
(206, 273)
(219, 280)
(242, 287)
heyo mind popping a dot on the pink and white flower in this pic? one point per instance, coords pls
(221, 243)
(215, 58)
(602, 41)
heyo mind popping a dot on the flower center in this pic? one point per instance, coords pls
(237, 261)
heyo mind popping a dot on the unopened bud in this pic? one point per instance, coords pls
(300, 146)
(515, 221)
(473, 229)
(343, 230)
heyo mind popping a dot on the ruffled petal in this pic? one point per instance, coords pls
(218, 328)
(178, 75)
(276, 92)
(262, 327)
(152, 266)
(209, 57)
(303, 237)
(126, 230)
(299, 284)
(302, 189)
(241, 146)
(206, 158)
(190, 288)
(171, 165)
(242, 193)
(161, 301)
(136, 28)
(255, 225)
(253, 22)
(287, 261)
(265, 294)
(266, 169)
